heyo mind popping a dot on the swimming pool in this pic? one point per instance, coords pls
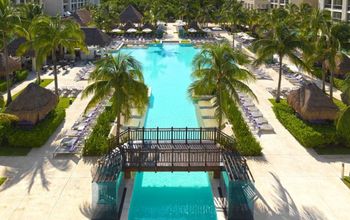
(167, 71)
(172, 196)
(165, 195)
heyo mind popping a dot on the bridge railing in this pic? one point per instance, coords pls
(176, 135)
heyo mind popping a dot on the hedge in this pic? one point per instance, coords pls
(309, 135)
(247, 145)
(40, 133)
(98, 143)
(343, 126)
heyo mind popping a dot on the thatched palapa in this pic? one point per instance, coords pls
(83, 17)
(33, 104)
(130, 14)
(312, 104)
(13, 65)
(95, 37)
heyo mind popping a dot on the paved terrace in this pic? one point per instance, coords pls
(291, 181)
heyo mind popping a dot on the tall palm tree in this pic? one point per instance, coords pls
(217, 72)
(55, 32)
(284, 42)
(235, 15)
(122, 78)
(8, 22)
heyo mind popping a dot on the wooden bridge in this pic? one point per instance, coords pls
(172, 149)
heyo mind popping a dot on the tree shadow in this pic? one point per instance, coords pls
(284, 206)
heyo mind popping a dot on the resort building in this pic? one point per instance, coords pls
(283, 3)
(340, 9)
(256, 4)
(64, 7)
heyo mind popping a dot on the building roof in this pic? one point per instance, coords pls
(312, 104)
(83, 17)
(33, 104)
(13, 65)
(130, 14)
(95, 37)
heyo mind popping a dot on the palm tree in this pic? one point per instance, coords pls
(54, 33)
(217, 72)
(8, 22)
(27, 30)
(284, 42)
(345, 96)
(234, 14)
(122, 78)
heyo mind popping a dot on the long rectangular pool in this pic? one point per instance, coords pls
(165, 195)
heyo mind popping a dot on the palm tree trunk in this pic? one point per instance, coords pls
(36, 69)
(331, 86)
(55, 71)
(278, 95)
(233, 35)
(118, 129)
(8, 84)
(324, 73)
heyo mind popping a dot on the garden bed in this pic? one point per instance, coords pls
(309, 135)
(247, 144)
(98, 143)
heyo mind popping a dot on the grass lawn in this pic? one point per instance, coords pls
(346, 181)
(2, 180)
(14, 151)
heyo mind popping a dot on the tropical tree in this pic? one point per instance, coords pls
(284, 42)
(121, 78)
(29, 14)
(8, 22)
(345, 96)
(217, 72)
(55, 32)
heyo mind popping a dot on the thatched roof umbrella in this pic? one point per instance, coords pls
(33, 104)
(130, 14)
(13, 65)
(95, 37)
(83, 17)
(312, 104)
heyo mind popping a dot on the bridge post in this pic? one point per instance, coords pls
(215, 135)
(143, 135)
(172, 133)
(157, 135)
(186, 136)
(200, 135)
(128, 135)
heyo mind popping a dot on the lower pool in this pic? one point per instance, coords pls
(172, 196)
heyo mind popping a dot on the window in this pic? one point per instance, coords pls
(338, 4)
(348, 17)
(328, 3)
(337, 15)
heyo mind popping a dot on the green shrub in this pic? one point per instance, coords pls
(308, 134)
(247, 145)
(21, 75)
(98, 143)
(343, 127)
(3, 85)
(40, 133)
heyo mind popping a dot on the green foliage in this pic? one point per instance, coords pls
(2, 180)
(309, 135)
(343, 126)
(98, 143)
(21, 75)
(247, 145)
(40, 133)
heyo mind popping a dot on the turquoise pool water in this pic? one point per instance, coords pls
(167, 71)
(165, 195)
(172, 196)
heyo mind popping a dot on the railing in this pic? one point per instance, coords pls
(173, 147)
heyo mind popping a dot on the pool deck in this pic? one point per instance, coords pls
(292, 182)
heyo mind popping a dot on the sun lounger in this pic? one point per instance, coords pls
(209, 123)
(206, 103)
(266, 129)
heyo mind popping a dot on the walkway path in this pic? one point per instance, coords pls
(40, 187)
(293, 182)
